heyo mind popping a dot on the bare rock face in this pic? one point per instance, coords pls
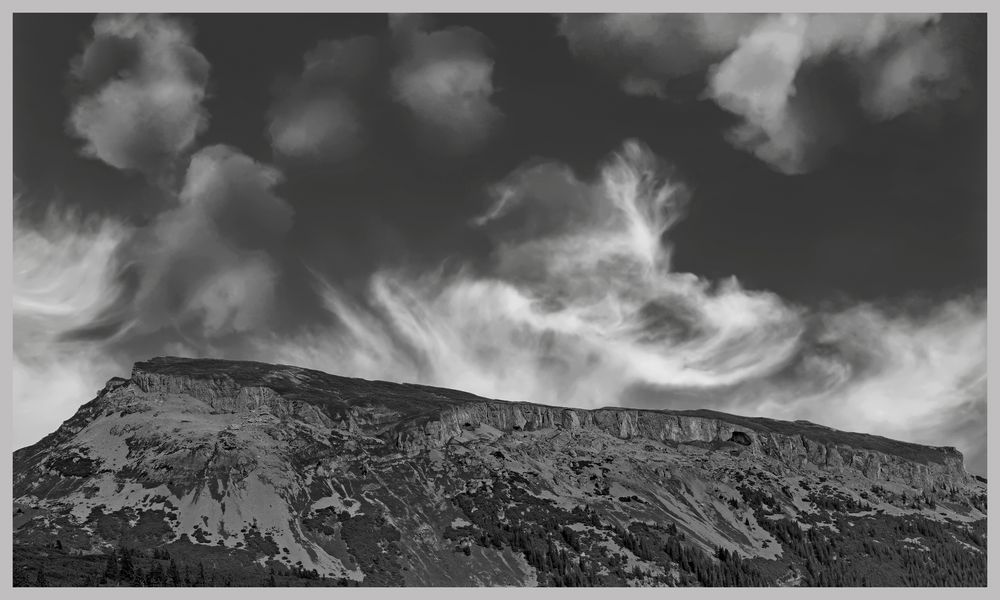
(862, 455)
(263, 468)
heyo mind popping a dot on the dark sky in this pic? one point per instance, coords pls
(874, 215)
(897, 210)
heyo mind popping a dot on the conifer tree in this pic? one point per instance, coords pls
(111, 569)
(127, 569)
(174, 574)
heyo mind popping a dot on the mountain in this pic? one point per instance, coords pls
(213, 472)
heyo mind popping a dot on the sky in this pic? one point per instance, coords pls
(773, 215)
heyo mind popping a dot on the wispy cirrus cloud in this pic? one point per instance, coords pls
(580, 306)
(65, 275)
(91, 293)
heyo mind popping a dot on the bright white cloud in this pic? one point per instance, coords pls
(581, 306)
(758, 79)
(575, 312)
(200, 270)
(65, 272)
(905, 374)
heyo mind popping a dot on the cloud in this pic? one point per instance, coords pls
(236, 194)
(142, 84)
(65, 276)
(757, 82)
(201, 270)
(204, 265)
(63, 269)
(321, 128)
(319, 116)
(237, 299)
(906, 373)
(579, 306)
(92, 294)
(48, 391)
(758, 67)
(442, 79)
(760, 80)
(917, 73)
(646, 51)
(406, 23)
(445, 79)
(919, 368)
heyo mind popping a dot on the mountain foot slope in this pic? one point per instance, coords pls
(212, 472)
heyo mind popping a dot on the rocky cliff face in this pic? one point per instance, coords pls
(917, 466)
(794, 445)
(267, 466)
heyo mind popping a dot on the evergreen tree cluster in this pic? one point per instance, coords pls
(568, 555)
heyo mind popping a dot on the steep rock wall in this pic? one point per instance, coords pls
(439, 425)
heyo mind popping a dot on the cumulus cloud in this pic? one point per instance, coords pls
(92, 293)
(442, 80)
(237, 195)
(326, 128)
(646, 51)
(89, 293)
(142, 85)
(445, 79)
(579, 304)
(903, 67)
(204, 265)
(319, 117)
(756, 81)
(757, 67)
(918, 72)
(202, 269)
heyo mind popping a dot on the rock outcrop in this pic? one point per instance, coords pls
(234, 388)
(283, 466)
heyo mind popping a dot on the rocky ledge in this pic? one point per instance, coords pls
(415, 418)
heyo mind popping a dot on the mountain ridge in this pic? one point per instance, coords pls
(273, 466)
(216, 367)
(247, 374)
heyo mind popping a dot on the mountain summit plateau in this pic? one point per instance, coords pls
(244, 473)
